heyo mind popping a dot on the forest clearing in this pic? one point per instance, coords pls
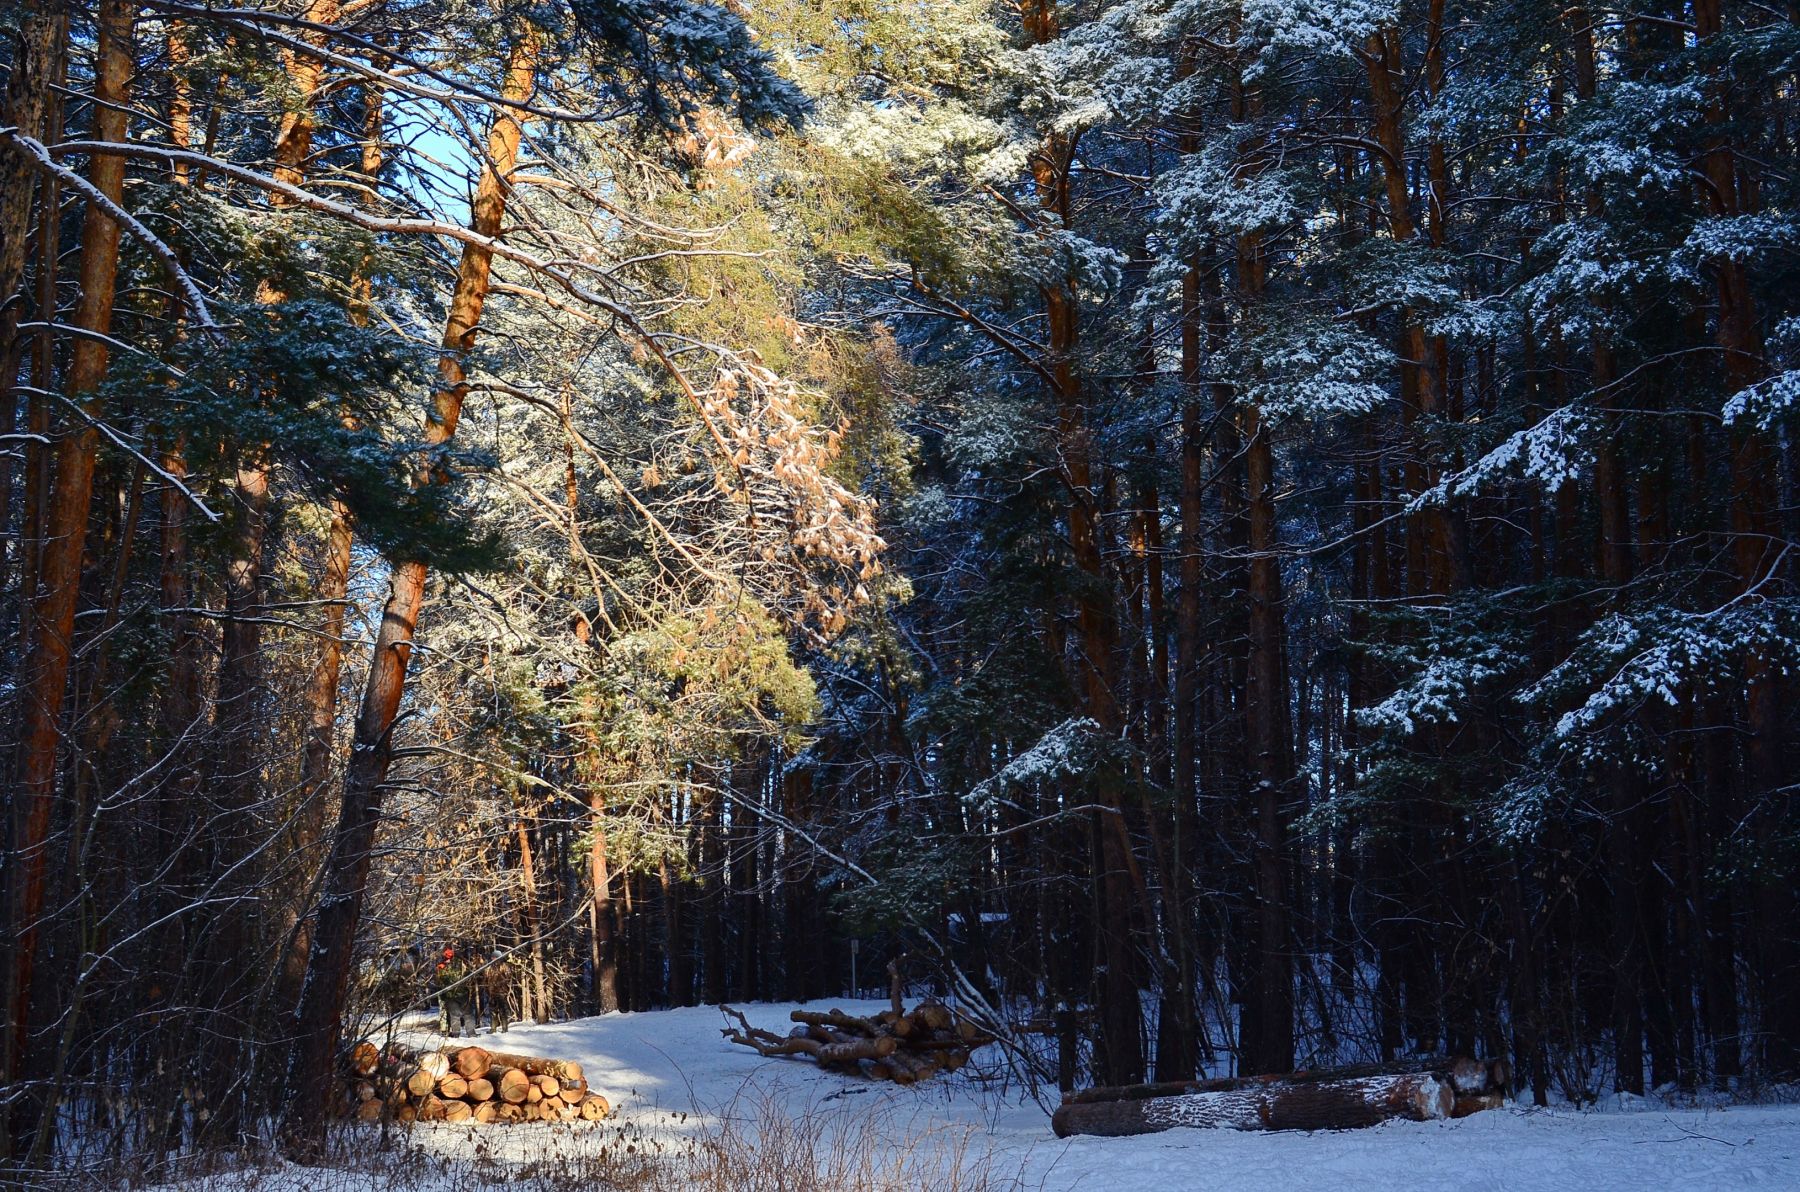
(680, 1085)
(1237, 559)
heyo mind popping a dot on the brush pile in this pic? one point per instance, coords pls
(465, 1084)
(897, 1045)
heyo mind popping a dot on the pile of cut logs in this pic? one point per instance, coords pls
(1315, 1099)
(897, 1045)
(467, 1084)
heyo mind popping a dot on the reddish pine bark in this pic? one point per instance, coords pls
(321, 696)
(319, 1017)
(48, 654)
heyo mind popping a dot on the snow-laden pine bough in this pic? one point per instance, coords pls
(465, 1084)
(897, 1045)
(1314, 1099)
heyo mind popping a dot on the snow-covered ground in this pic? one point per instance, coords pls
(673, 1077)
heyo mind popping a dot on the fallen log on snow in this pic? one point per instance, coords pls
(1342, 1098)
(1467, 1103)
(1464, 1075)
(1275, 1105)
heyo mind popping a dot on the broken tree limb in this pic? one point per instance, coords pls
(837, 1048)
(838, 1019)
(766, 1042)
(893, 1045)
(1273, 1105)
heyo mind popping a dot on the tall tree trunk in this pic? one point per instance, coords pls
(746, 884)
(1115, 901)
(321, 695)
(1625, 792)
(1266, 726)
(47, 654)
(531, 917)
(1187, 677)
(1756, 552)
(1435, 556)
(708, 842)
(36, 67)
(603, 957)
(1266, 1036)
(603, 960)
(319, 1017)
(1271, 1049)
(1421, 380)
(177, 825)
(680, 982)
(799, 940)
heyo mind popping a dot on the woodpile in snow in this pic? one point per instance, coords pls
(898, 1045)
(466, 1084)
(1315, 1099)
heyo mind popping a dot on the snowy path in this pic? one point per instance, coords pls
(671, 1075)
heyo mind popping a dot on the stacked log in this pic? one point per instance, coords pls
(1344, 1098)
(467, 1084)
(898, 1045)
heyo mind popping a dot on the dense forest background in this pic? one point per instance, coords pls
(1225, 534)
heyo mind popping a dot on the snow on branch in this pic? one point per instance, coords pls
(1214, 193)
(1765, 403)
(1316, 369)
(1444, 687)
(1660, 654)
(1773, 399)
(197, 310)
(1071, 748)
(1552, 452)
(1314, 27)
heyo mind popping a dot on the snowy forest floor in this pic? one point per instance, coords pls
(695, 1111)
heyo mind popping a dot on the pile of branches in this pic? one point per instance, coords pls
(465, 1084)
(897, 1045)
(1311, 1099)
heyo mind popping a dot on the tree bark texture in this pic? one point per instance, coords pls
(319, 1017)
